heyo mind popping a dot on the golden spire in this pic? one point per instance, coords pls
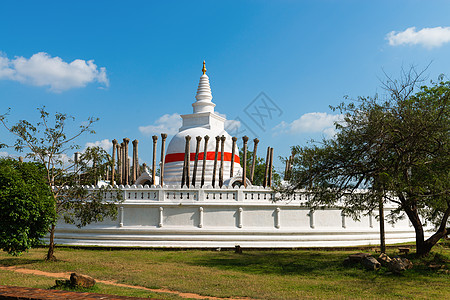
(204, 68)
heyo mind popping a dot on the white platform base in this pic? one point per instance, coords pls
(215, 218)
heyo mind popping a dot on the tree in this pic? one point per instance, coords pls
(260, 169)
(396, 149)
(79, 206)
(48, 143)
(26, 205)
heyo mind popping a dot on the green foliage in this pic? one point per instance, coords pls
(76, 203)
(26, 205)
(48, 142)
(260, 169)
(82, 206)
(396, 149)
(92, 165)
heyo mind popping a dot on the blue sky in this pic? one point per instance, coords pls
(136, 64)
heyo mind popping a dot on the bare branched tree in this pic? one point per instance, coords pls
(49, 142)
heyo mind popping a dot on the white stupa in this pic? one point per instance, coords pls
(203, 121)
(172, 216)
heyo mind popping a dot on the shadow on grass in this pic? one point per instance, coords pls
(18, 261)
(66, 286)
(278, 262)
(310, 263)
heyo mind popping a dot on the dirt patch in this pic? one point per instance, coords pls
(65, 275)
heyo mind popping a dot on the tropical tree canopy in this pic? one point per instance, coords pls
(27, 207)
(395, 149)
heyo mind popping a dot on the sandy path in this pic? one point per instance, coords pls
(66, 275)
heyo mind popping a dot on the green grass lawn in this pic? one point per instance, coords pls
(270, 274)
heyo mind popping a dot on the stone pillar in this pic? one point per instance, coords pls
(119, 164)
(113, 168)
(255, 147)
(269, 180)
(286, 168)
(233, 146)
(266, 171)
(122, 163)
(244, 164)
(155, 141)
(129, 169)
(187, 160)
(77, 157)
(161, 171)
(134, 173)
(205, 154)
(126, 141)
(138, 168)
(222, 150)
(197, 149)
(215, 161)
(77, 160)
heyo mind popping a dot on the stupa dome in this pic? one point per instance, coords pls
(202, 122)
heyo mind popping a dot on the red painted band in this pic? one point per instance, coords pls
(173, 157)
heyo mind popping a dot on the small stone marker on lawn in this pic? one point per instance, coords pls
(396, 264)
(370, 263)
(76, 280)
(384, 259)
(83, 281)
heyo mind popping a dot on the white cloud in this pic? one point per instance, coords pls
(105, 144)
(65, 160)
(315, 122)
(43, 70)
(427, 37)
(4, 154)
(165, 124)
(230, 125)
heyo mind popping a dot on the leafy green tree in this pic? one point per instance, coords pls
(397, 149)
(26, 205)
(48, 143)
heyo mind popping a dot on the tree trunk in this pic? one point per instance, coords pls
(420, 239)
(51, 245)
(423, 247)
(413, 216)
(382, 232)
(440, 233)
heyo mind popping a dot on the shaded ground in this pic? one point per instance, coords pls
(14, 292)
